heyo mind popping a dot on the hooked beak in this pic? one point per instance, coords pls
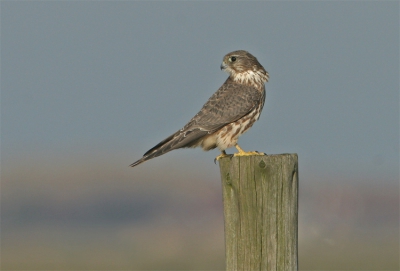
(223, 66)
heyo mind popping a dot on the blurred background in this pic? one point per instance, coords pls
(87, 87)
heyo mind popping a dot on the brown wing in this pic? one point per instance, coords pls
(231, 102)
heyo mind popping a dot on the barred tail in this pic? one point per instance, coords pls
(180, 139)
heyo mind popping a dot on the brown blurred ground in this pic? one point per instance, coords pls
(81, 215)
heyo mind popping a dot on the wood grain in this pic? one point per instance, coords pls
(260, 196)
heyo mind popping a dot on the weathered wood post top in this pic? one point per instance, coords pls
(260, 196)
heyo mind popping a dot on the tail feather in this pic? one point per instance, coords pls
(137, 162)
(180, 139)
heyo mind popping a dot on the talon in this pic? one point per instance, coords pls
(243, 153)
(250, 153)
(222, 155)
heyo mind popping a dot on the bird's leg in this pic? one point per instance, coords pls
(222, 155)
(243, 153)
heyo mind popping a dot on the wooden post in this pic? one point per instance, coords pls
(261, 212)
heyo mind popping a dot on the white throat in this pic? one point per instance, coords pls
(253, 78)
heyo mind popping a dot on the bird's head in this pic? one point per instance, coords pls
(244, 68)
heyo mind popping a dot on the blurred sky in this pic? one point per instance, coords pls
(87, 87)
(122, 76)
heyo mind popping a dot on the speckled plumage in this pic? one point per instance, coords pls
(229, 112)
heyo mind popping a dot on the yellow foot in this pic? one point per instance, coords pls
(222, 155)
(243, 153)
(249, 153)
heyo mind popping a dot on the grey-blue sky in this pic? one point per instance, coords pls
(88, 86)
(120, 76)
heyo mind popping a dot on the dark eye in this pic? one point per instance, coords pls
(233, 59)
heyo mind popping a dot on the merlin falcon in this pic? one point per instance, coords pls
(229, 112)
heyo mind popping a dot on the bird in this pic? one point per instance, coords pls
(227, 114)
